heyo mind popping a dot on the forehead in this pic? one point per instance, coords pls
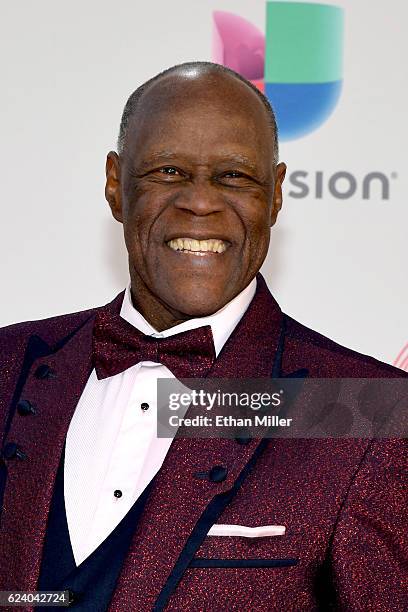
(210, 115)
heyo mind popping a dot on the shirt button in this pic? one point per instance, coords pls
(144, 406)
(117, 493)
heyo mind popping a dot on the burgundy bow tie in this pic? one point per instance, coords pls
(117, 346)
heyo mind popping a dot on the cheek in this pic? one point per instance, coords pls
(140, 223)
(133, 233)
(256, 221)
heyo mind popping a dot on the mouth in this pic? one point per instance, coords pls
(200, 248)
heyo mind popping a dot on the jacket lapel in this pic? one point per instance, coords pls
(182, 507)
(52, 384)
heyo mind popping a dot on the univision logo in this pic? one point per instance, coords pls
(402, 359)
(341, 185)
(297, 63)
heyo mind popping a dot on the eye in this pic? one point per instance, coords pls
(169, 171)
(233, 174)
(235, 178)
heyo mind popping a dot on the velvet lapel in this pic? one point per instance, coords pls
(41, 437)
(181, 508)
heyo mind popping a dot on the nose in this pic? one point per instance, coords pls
(200, 198)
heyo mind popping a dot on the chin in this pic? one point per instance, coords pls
(195, 295)
(196, 305)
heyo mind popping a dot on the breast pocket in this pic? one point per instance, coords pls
(238, 552)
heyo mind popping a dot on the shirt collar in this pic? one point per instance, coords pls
(223, 322)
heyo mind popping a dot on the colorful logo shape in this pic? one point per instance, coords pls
(297, 64)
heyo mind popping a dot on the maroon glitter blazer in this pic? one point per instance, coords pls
(343, 502)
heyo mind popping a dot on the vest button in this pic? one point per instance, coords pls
(73, 597)
(12, 451)
(24, 407)
(218, 473)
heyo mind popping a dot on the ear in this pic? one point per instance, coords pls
(280, 173)
(112, 187)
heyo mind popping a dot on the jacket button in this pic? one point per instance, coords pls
(243, 437)
(24, 407)
(44, 371)
(243, 440)
(12, 451)
(218, 473)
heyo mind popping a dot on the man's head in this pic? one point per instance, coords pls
(196, 173)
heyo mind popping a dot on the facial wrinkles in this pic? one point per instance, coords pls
(199, 162)
(235, 211)
(207, 165)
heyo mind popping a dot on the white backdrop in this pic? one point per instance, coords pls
(68, 67)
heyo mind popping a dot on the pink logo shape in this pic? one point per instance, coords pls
(402, 359)
(240, 45)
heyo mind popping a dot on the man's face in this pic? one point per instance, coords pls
(198, 192)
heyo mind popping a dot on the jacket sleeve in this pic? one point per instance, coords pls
(369, 555)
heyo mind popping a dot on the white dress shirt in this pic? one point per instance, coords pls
(112, 450)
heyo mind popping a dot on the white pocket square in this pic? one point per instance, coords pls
(247, 532)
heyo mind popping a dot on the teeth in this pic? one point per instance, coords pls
(212, 245)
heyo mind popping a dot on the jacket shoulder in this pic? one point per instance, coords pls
(328, 359)
(15, 341)
(50, 329)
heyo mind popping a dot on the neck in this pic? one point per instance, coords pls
(157, 313)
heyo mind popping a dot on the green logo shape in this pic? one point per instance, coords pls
(304, 43)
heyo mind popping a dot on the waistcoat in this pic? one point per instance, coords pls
(91, 584)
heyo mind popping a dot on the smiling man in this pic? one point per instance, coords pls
(96, 504)
(197, 189)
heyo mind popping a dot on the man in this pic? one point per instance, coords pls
(197, 185)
